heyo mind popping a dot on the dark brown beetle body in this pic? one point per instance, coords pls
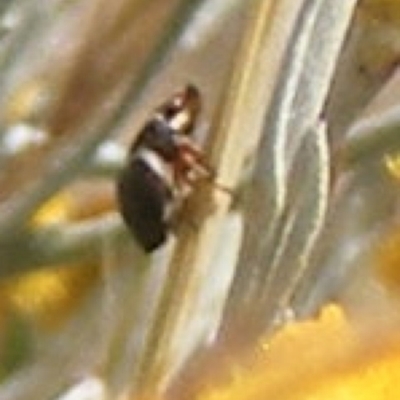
(163, 164)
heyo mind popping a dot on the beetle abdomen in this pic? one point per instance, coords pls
(143, 196)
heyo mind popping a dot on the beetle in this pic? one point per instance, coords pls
(162, 167)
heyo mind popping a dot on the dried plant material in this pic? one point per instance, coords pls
(305, 78)
(193, 258)
(302, 224)
(368, 60)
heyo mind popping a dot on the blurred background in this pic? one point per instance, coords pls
(287, 287)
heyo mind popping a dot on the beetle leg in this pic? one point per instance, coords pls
(192, 167)
(193, 162)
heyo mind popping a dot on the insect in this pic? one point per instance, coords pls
(162, 168)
